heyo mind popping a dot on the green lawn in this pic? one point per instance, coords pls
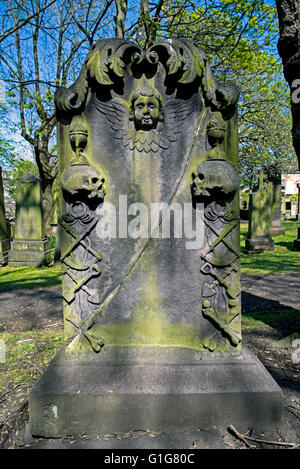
(283, 259)
(29, 277)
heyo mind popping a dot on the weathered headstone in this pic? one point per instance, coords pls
(298, 211)
(283, 204)
(151, 303)
(297, 242)
(4, 232)
(29, 246)
(276, 228)
(260, 218)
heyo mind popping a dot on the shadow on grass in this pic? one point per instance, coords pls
(287, 244)
(29, 277)
(270, 262)
(258, 311)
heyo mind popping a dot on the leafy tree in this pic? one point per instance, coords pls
(43, 54)
(7, 155)
(238, 37)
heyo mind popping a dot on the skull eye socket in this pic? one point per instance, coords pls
(94, 180)
(201, 176)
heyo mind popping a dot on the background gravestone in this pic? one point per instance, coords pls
(298, 211)
(153, 324)
(297, 242)
(29, 245)
(283, 203)
(260, 218)
(276, 228)
(4, 232)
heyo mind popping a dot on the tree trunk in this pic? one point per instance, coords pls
(289, 51)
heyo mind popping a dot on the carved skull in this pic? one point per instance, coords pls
(83, 178)
(214, 176)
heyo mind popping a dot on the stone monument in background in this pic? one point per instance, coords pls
(4, 232)
(276, 228)
(260, 217)
(29, 245)
(297, 242)
(298, 211)
(148, 156)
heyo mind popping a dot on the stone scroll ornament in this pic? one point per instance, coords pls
(154, 125)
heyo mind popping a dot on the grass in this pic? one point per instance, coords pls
(27, 354)
(282, 260)
(258, 320)
(29, 277)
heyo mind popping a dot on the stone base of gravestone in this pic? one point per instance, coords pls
(278, 231)
(4, 249)
(297, 242)
(29, 252)
(134, 388)
(259, 244)
(276, 228)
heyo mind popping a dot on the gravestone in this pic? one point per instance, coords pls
(260, 218)
(276, 228)
(150, 251)
(244, 211)
(4, 231)
(29, 245)
(283, 203)
(298, 211)
(297, 242)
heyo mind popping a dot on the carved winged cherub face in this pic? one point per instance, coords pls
(146, 108)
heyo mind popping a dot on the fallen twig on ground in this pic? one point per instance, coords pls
(244, 438)
(239, 436)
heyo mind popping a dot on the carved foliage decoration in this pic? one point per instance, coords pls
(183, 62)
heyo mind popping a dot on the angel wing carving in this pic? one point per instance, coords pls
(116, 112)
(121, 119)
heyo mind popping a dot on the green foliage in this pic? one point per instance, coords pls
(244, 195)
(239, 37)
(7, 154)
(21, 167)
(293, 197)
